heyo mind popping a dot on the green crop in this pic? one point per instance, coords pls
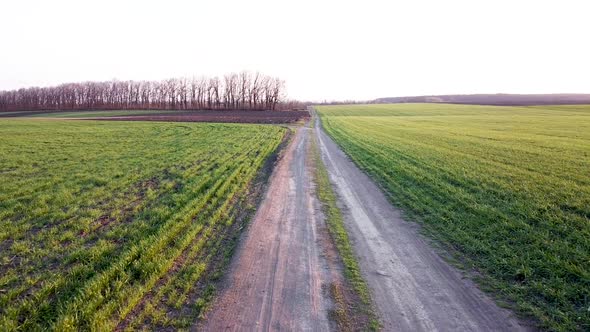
(115, 224)
(506, 190)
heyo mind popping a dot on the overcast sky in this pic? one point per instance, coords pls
(323, 49)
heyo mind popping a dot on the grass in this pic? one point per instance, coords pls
(335, 225)
(505, 189)
(117, 224)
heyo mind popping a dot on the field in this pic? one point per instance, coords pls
(122, 225)
(505, 190)
(220, 116)
(236, 116)
(76, 114)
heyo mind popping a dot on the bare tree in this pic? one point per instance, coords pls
(233, 91)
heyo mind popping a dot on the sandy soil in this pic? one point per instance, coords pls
(412, 287)
(278, 278)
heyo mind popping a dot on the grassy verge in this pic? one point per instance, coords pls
(335, 224)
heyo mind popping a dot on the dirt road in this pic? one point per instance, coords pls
(278, 275)
(412, 287)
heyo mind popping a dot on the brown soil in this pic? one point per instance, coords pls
(217, 116)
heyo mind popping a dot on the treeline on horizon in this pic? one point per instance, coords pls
(244, 90)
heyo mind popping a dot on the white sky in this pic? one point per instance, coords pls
(324, 49)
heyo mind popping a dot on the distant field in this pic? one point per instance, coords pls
(77, 114)
(229, 116)
(118, 224)
(92, 114)
(505, 189)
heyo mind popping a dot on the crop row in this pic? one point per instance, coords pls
(139, 213)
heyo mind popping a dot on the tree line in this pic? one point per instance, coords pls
(245, 90)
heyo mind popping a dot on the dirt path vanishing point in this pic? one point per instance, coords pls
(278, 277)
(412, 287)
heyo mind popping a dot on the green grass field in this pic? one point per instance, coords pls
(118, 224)
(506, 190)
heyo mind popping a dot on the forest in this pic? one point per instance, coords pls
(244, 90)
